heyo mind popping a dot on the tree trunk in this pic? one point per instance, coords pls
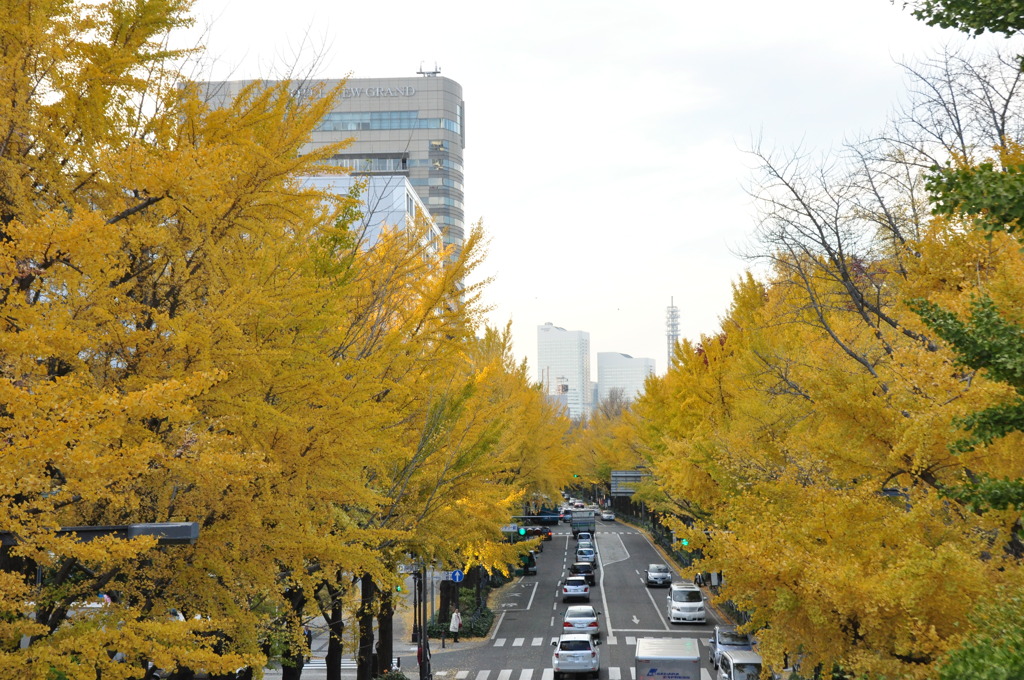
(385, 632)
(481, 577)
(335, 628)
(449, 597)
(368, 592)
(296, 652)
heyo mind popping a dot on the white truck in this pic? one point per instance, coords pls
(583, 520)
(667, 659)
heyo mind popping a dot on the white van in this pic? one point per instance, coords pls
(739, 666)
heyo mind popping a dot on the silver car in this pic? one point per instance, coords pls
(726, 639)
(576, 654)
(581, 618)
(658, 575)
(576, 588)
(586, 555)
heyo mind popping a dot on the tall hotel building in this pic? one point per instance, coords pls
(412, 127)
(563, 359)
(617, 371)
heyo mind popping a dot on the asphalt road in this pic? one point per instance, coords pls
(530, 613)
(529, 616)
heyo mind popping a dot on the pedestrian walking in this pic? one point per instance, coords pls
(456, 625)
(307, 633)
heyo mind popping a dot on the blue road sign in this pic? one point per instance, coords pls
(457, 575)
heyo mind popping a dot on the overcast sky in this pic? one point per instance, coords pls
(605, 140)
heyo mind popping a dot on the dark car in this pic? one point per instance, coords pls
(586, 570)
(543, 532)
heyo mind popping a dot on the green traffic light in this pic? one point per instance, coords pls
(522, 531)
(685, 541)
(398, 589)
(575, 475)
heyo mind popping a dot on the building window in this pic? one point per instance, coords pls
(345, 121)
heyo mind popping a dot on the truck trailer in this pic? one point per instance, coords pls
(667, 659)
(583, 520)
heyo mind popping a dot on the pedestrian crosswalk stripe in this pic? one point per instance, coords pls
(346, 663)
(614, 673)
(630, 640)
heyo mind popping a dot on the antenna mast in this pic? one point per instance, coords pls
(429, 74)
(671, 328)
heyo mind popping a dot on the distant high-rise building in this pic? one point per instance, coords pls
(616, 371)
(671, 328)
(413, 127)
(563, 363)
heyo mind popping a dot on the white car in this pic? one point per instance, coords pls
(608, 516)
(584, 536)
(686, 604)
(581, 618)
(576, 588)
(576, 654)
(739, 666)
(586, 555)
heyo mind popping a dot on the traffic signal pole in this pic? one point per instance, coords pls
(423, 650)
